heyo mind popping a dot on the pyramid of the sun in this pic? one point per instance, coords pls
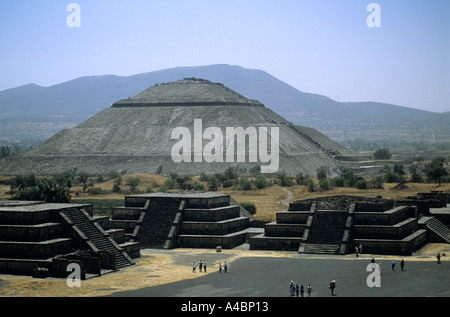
(181, 127)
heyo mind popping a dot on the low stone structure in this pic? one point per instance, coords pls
(40, 239)
(338, 224)
(182, 219)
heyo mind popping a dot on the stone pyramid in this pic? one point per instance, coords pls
(181, 127)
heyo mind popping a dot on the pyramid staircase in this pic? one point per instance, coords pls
(440, 229)
(327, 232)
(95, 236)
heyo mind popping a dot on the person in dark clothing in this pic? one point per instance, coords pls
(332, 286)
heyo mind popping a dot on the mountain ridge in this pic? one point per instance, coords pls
(46, 110)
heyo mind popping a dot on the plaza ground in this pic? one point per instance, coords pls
(168, 273)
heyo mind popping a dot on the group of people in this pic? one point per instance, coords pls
(295, 290)
(402, 264)
(203, 264)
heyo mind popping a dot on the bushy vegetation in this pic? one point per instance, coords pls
(58, 188)
(250, 207)
(30, 187)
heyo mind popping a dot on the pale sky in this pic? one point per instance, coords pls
(317, 46)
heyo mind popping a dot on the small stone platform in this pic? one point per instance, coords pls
(182, 219)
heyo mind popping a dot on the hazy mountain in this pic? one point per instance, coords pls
(32, 111)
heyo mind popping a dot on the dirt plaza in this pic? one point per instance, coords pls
(168, 273)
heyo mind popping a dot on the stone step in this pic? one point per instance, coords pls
(439, 228)
(96, 236)
(321, 248)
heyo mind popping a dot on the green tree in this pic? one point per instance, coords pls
(230, 173)
(246, 184)
(255, 170)
(133, 183)
(284, 178)
(301, 179)
(339, 181)
(116, 184)
(83, 179)
(361, 183)
(382, 154)
(322, 172)
(349, 176)
(414, 171)
(399, 169)
(261, 181)
(5, 151)
(213, 183)
(324, 184)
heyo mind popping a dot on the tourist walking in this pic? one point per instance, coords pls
(193, 267)
(225, 266)
(200, 264)
(291, 288)
(438, 257)
(393, 265)
(205, 264)
(332, 286)
(302, 291)
(220, 267)
(356, 251)
(297, 289)
(309, 290)
(402, 264)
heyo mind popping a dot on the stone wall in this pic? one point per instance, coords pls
(35, 250)
(390, 217)
(214, 214)
(397, 231)
(23, 266)
(404, 246)
(284, 230)
(215, 228)
(32, 233)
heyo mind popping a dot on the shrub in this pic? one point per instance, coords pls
(198, 187)
(361, 183)
(261, 181)
(116, 184)
(250, 207)
(382, 154)
(310, 186)
(322, 172)
(324, 184)
(339, 181)
(96, 190)
(349, 176)
(246, 184)
(228, 183)
(284, 178)
(377, 182)
(301, 179)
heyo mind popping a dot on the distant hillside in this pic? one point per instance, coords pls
(32, 111)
